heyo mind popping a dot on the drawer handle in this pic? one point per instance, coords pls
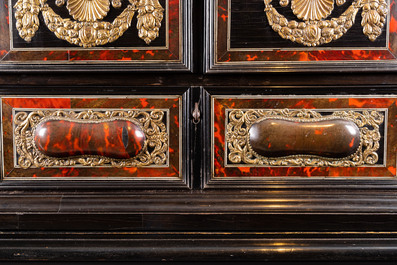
(335, 138)
(118, 139)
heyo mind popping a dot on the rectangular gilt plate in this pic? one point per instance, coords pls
(94, 35)
(301, 35)
(304, 137)
(92, 138)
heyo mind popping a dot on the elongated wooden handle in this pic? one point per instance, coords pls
(336, 138)
(119, 139)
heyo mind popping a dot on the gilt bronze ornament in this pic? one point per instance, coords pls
(314, 29)
(87, 29)
(285, 137)
(90, 138)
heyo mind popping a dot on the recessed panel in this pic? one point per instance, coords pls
(92, 138)
(299, 35)
(287, 137)
(76, 34)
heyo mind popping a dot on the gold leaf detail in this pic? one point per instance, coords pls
(116, 3)
(60, 3)
(27, 20)
(373, 18)
(317, 32)
(87, 30)
(284, 3)
(154, 152)
(88, 34)
(240, 152)
(312, 9)
(88, 10)
(150, 15)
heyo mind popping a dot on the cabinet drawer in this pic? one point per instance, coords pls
(303, 138)
(83, 36)
(92, 138)
(296, 35)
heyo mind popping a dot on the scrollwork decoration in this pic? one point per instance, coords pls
(154, 152)
(87, 29)
(239, 150)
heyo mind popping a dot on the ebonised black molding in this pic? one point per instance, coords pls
(116, 246)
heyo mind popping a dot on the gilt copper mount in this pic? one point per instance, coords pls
(315, 29)
(240, 150)
(87, 29)
(154, 151)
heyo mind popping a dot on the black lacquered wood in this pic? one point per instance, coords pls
(302, 222)
(250, 28)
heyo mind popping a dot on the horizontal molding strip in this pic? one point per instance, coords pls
(115, 246)
(211, 202)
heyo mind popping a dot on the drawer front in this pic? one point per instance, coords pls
(259, 137)
(92, 138)
(297, 35)
(81, 35)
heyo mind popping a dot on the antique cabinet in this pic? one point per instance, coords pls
(184, 130)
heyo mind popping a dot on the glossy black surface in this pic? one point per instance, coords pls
(318, 221)
(250, 27)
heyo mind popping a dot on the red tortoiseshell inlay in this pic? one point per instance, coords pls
(224, 55)
(170, 170)
(170, 52)
(220, 105)
(329, 138)
(119, 139)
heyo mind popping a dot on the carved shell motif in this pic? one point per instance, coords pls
(88, 10)
(312, 9)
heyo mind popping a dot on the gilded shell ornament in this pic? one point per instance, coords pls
(88, 10)
(312, 9)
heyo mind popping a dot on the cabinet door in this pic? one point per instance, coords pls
(300, 35)
(56, 139)
(99, 35)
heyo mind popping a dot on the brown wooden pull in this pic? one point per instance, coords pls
(119, 139)
(336, 138)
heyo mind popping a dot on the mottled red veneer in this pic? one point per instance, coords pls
(224, 104)
(119, 139)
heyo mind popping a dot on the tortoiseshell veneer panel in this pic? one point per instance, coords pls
(248, 35)
(303, 136)
(45, 48)
(92, 138)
